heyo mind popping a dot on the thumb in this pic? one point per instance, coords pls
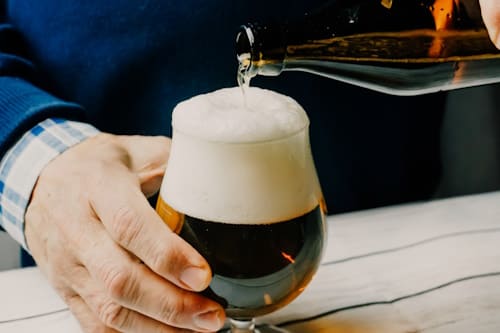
(148, 157)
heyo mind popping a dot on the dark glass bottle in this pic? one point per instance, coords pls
(401, 47)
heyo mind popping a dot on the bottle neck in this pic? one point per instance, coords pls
(260, 50)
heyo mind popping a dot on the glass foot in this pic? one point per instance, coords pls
(248, 326)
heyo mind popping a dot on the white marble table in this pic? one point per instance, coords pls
(426, 267)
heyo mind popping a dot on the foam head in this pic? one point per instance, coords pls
(223, 116)
(241, 164)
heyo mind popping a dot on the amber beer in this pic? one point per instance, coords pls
(241, 188)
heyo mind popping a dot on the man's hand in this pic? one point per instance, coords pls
(105, 250)
(491, 16)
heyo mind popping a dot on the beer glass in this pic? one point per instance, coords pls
(241, 188)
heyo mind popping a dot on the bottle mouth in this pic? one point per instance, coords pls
(260, 50)
(245, 41)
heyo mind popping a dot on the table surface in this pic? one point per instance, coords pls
(425, 267)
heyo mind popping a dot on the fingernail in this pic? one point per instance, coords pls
(195, 278)
(209, 321)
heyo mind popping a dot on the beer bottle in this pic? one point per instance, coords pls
(401, 47)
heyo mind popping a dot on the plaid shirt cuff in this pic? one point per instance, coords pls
(23, 163)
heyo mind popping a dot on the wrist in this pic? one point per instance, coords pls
(22, 164)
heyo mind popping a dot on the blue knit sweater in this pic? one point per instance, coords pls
(123, 64)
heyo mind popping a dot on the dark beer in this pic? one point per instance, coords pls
(402, 47)
(257, 268)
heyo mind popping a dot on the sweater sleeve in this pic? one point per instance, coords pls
(24, 100)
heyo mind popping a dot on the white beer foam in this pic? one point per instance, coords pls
(223, 116)
(241, 165)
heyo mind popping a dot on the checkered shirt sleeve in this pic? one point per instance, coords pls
(23, 163)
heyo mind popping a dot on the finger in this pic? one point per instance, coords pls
(146, 152)
(490, 10)
(133, 223)
(148, 159)
(151, 182)
(125, 293)
(113, 315)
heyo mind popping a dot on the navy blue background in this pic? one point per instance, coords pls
(128, 62)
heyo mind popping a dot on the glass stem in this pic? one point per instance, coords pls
(242, 326)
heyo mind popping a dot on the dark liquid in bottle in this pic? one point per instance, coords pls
(400, 48)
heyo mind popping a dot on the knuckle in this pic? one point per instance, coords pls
(170, 309)
(118, 282)
(112, 314)
(159, 260)
(166, 258)
(126, 225)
